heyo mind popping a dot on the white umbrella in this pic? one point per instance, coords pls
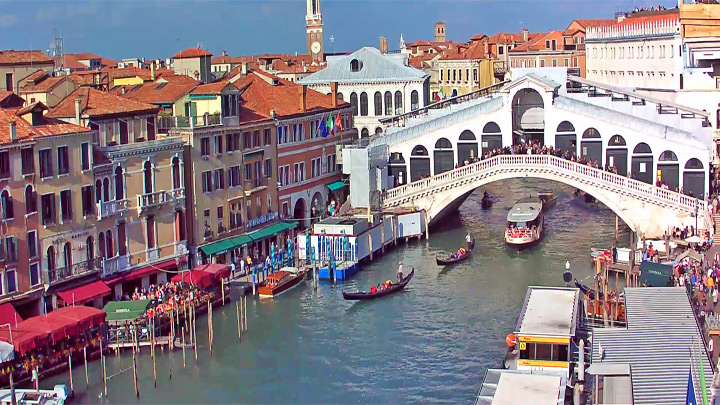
(693, 239)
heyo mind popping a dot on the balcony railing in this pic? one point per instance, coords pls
(252, 184)
(149, 200)
(114, 265)
(75, 270)
(152, 255)
(207, 120)
(106, 209)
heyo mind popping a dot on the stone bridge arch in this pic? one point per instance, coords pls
(528, 116)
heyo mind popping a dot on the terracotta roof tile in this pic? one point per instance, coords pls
(72, 62)
(159, 93)
(191, 53)
(8, 99)
(29, 108)
(260, 97)
(105, 62)
(11, 57)
(99, 103)
(43, 85)
(26, 131)
(35, 77)
(211, 88)
(538, 43)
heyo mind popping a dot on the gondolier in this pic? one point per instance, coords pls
(468, 240)
(400, 271)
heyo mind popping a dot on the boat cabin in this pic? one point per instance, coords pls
(545, 333)
(277, 278)
(525, 220)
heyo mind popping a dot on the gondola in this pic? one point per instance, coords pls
(359, 296)
(450, 260)
(486, 201)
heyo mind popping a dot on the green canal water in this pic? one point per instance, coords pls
(431, 343)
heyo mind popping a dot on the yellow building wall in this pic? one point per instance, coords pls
(127, 81)
(486, 73)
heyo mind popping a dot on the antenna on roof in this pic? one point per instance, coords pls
(57, 50)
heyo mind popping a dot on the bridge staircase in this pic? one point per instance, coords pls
(716, 236)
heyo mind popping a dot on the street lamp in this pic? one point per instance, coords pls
(567, 276)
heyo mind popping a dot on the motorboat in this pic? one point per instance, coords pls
(280, 282)
(547, 198)
(525, 222)
(486, 201)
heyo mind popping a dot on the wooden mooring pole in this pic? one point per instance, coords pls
(87, 381)
(152, 348)
(104, 371)
(245, 315)
(237, 312)
(194, 328)
(72, 387)
(183, 345)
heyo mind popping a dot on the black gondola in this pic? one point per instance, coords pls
(451, 260)
(486, 201)
(350, 296)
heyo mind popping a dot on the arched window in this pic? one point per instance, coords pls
(101, 244)
(106, 189)
(668, 156)
(467, 135)
(119, 180)
(109, 245)
(642, 147)
(355, 65)
(491, 128)
(378, 104)
(591, 133)
(30, 200)
(51, 261)
(67, 255)
(340, 97)
(6, 204)
(354, 103)
(398, 103)
(364, 133)
(443, 143)
(694, 164)
(388, 103)
(363, 104)
(176, 173)
(419, 150)
(378, 131)
(414, 100)
(98, 190)
(90, 248)
(148, 177)
(617, 140)
(565, 126)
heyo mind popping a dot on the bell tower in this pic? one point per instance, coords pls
(314, 26)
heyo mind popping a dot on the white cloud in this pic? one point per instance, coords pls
(8, 20)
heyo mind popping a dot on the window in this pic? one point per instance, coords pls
(554, 44)
(11, 249)
(148, 177)
(398, 103)
(32, 244)
(85, 156)
(441, 75)
(554, 62)
(229, 142)
(378, 104)
(414, 100)
(9, 82)
(46, 169)
(206, 181)
(150, 231)
(299, 172)
(30, 200)
(180, 225)
(234, 176)
(355, 65)
(475, 76)
(388, 103)
(459, 75)
(284, 175)
(6, 204)
(119, 180)
(176, 183)
(220, 220)
(575, 61)
(354, 103)
(268, 168)
(205, 146)
(542, 63)
(315, 168)
(27, 157)
(566, 62)
(34, 274)
(501, 50)
(247, 140)
(4, 164)
(218, 145)
(219, 179)
(88, 207)
(671, 50)
(363, 104)
(248, 171)
(547, 44)
(65, 205)
(236, 142)
(268, 137)
(331, 163)
(208, 229)
(256, 139)
(454, 75)
(11, 281)
(63, 160)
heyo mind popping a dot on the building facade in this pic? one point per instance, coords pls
(16, 65)
(314, 32)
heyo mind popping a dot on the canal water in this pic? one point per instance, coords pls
(431, 343)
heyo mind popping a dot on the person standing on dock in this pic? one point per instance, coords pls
(468, 240)
(400, 271)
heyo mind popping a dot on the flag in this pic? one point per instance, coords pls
(330, 124)
(703, 387)
(690, 397)
(437, 97)
(338, 122)
(323, 128)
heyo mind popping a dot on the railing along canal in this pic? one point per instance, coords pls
(562, 167)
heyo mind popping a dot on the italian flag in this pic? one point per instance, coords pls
(439, 95)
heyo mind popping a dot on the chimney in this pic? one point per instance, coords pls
(303, 97)
(13, 131)
(224, 53)
(383, 45)
(152, 71)
(526, 35)
(486, 44)
(78, 109)
(333, 94)
(244, 69)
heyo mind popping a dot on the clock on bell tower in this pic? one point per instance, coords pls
(314, 26)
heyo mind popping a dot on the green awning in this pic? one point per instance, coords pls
(655, 274)
(125, 310)
(336, 185)
(217, 247)
(272, 230)
(241, 240)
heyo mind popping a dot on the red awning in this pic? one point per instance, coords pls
(84, 293)
(198, 278)
(56, 328)
(86, 317)
(217, 270)
(150, 269)
(8, 314)
(24, 340)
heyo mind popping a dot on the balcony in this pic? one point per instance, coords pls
(150, 200)
(114, 265)
(253, 185)
(181, 248)
(75, 270)
(207, 120)
(152, 255)
(500, 67)
(107, 209)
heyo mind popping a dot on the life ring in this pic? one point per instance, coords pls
(511, 340)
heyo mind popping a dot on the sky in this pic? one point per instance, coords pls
(158, 28)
